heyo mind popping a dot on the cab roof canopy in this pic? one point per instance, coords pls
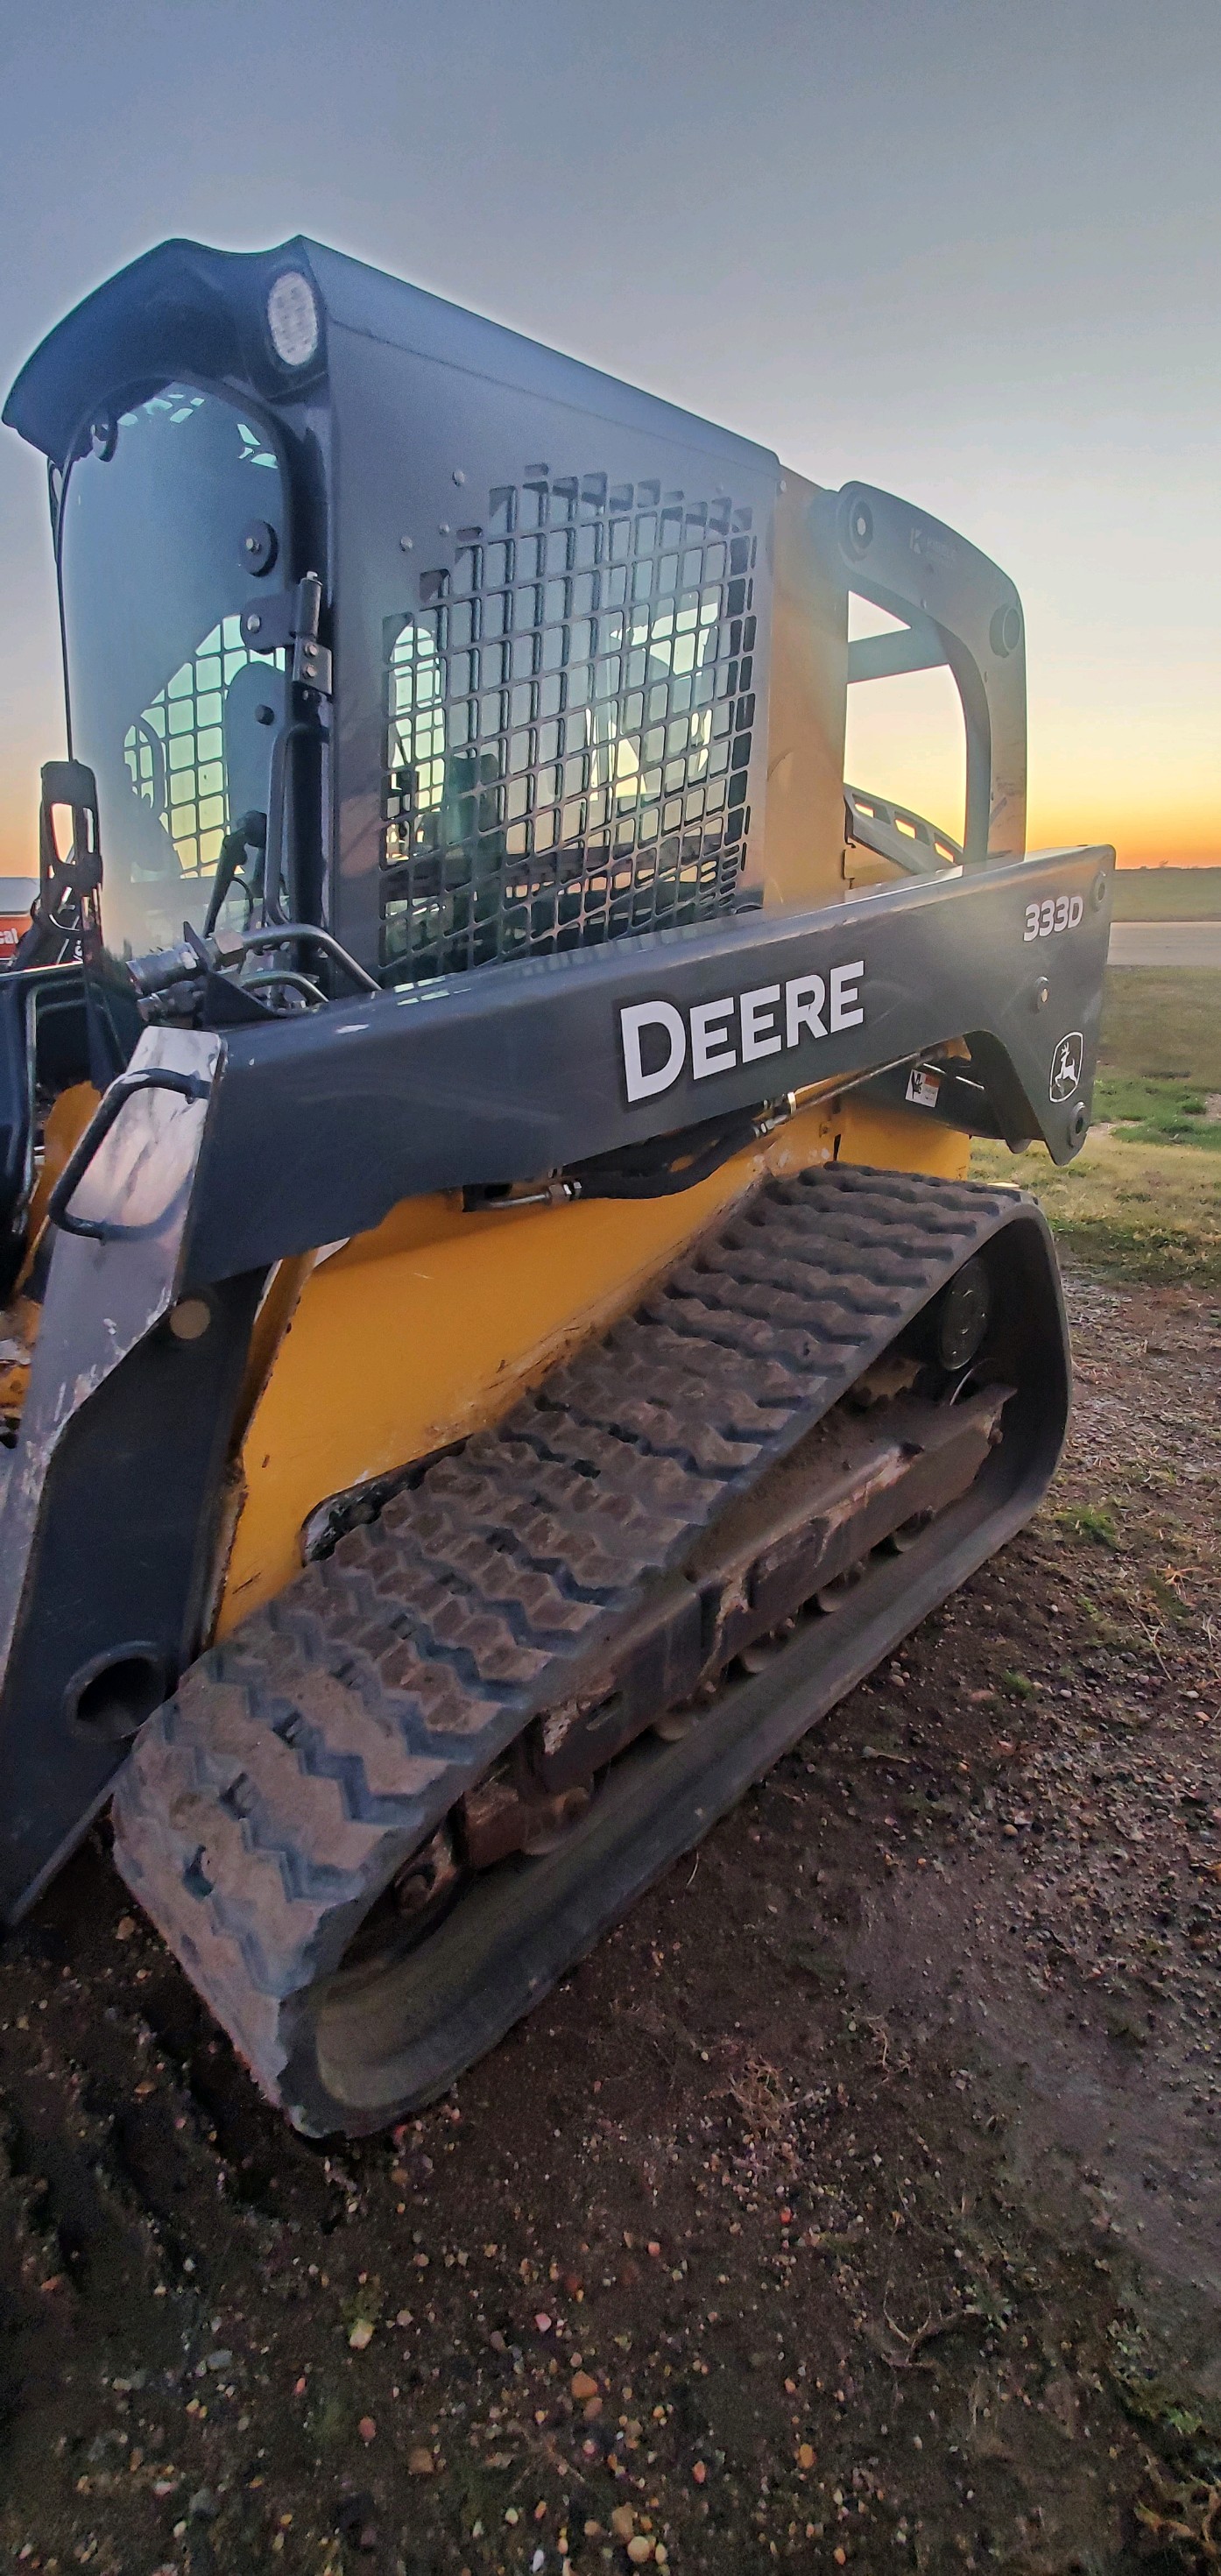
(185, 309)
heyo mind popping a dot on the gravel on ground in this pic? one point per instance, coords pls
(856, 2204)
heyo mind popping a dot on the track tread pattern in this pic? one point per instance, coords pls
(271, 1801)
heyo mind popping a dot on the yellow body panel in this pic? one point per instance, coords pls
(901, 1140)
(427, 1329)
(801, 860)
(67, 1120)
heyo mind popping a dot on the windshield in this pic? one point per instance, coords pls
(166, 526)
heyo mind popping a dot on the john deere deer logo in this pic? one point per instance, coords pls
(1066, 1066)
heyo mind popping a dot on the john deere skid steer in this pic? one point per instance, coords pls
(497, 1334)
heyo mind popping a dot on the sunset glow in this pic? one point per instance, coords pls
(1030, 352)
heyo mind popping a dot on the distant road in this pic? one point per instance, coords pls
(1165, 943)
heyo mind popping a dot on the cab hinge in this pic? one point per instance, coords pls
(291, 619)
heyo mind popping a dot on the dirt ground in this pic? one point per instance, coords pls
(858, 2203)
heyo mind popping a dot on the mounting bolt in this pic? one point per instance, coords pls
(190, 1319)
(1038, 999)
(260, 545)
(1099, 890)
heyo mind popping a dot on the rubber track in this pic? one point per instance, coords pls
(269, 1803)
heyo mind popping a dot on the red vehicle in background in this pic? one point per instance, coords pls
(16, 896)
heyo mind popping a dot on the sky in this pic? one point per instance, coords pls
(963, 249)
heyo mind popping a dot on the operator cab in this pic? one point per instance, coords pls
(546, 596)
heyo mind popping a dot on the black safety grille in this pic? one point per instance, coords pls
(568, 726)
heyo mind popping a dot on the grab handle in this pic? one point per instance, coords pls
(153, 1077)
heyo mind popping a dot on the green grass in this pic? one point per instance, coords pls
(1143, 1198)
(1168, 894)
(1090, 1520)
(1160, 1025)
(1173, 1131)
(1139, 1211)
(1141, 1095)
(1149, 1110)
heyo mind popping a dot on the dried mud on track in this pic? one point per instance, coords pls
(856, 2204)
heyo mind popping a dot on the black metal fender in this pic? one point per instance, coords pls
(521, 1069)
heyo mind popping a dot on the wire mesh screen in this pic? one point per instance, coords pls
(568, 726)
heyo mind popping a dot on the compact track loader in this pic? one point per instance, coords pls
(498, 1337)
